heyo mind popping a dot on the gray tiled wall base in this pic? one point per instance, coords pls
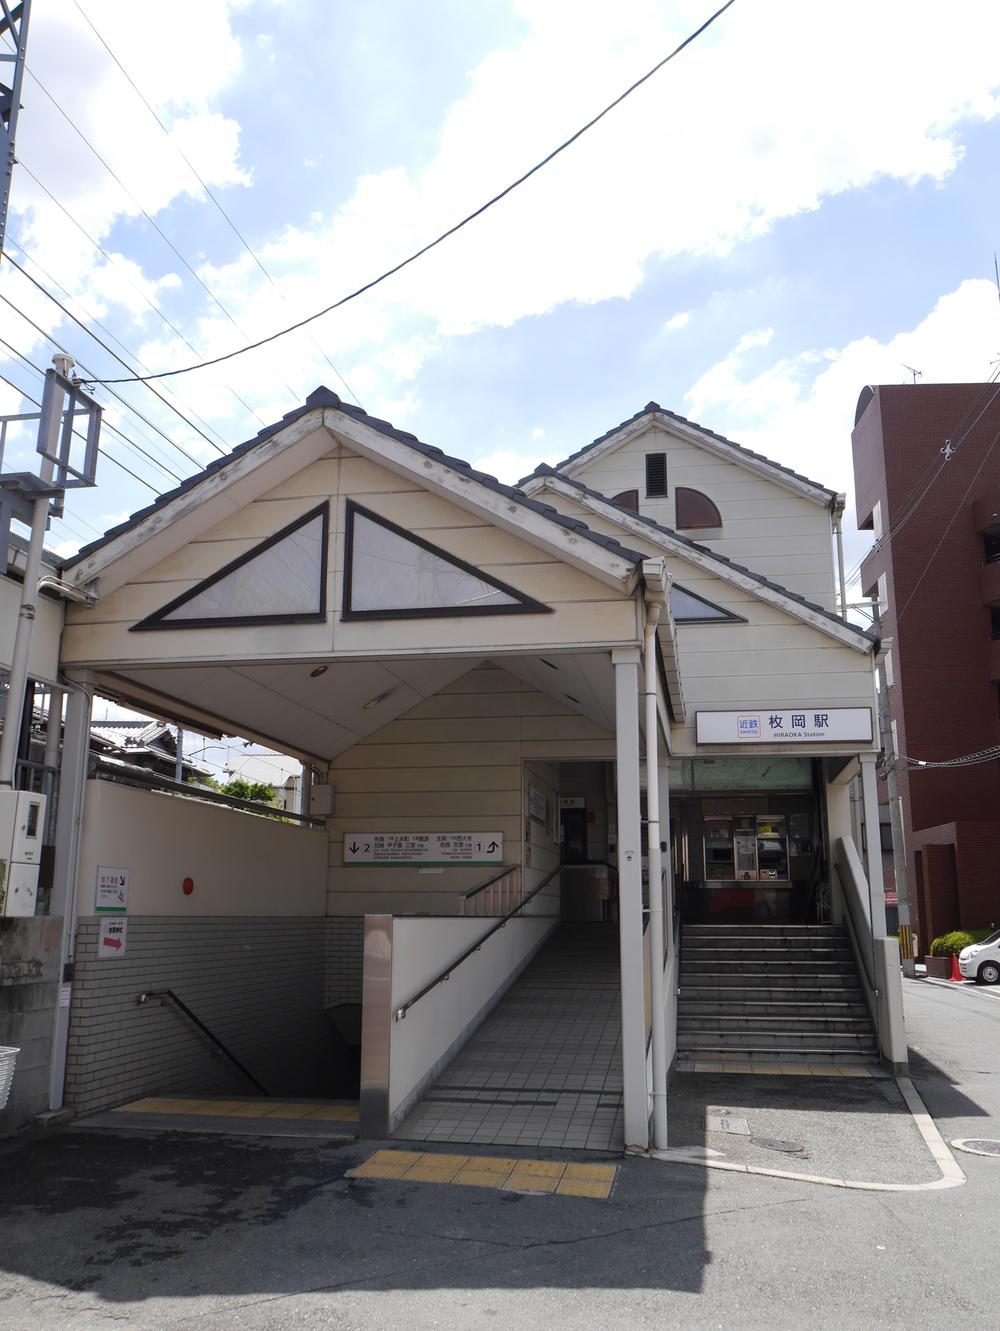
(260, 983)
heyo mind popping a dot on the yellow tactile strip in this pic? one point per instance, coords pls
(487, 1171)
(329, 1113)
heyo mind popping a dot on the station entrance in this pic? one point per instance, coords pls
(748, 841)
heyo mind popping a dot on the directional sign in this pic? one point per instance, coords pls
(423, 848)
(112, 890)
(112, 937)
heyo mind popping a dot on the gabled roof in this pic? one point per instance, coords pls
(321, 398)
(725, 568)
(653, 413)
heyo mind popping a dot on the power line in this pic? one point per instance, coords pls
(103, 451)
(39, 371)
(104, 346)
(445, 235)
(152, 304)
(151, 220)
(204, 185)
(951, 446)
(80, 324)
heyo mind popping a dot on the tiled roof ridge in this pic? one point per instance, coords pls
(713, 554)
(654, 408)
(326, 397)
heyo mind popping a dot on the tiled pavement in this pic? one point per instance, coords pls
(544, 1069)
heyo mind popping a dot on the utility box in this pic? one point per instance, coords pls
(22, 821)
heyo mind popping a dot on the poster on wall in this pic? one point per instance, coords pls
(112, 937)
(112, 890)
(538, 805)
(423, 848)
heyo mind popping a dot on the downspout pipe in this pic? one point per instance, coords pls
(839, 505)
(655, 604)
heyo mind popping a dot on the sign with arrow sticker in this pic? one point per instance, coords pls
(112, 891)
(423, 848)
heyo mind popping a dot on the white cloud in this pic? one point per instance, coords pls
(537, 432)
(676, 321)
(800, 410)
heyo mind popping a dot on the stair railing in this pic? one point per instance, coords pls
(500, 893)
(169, 996)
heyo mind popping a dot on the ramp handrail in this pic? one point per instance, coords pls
(493, 896)
(402, 1010)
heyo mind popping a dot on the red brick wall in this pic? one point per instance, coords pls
(944, 702)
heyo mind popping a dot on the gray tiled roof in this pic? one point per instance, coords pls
(324, 397)
(545, 470)
(654, 408)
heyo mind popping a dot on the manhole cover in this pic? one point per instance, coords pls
(776, 1144)
(978, 1145)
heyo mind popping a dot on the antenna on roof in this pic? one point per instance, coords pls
(917, 374)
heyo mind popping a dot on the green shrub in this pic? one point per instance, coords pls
(951, 944)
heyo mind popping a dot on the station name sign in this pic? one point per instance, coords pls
(792, 725)
(423, 848)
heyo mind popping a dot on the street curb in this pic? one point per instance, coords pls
(952, 1175)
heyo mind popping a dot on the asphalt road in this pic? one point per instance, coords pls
(159, 1232)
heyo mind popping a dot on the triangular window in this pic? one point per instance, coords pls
(281, 581)
(687, 608)
(392, 574)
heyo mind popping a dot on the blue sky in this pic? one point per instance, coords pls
(805, 201)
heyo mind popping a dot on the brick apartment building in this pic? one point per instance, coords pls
(927, 484)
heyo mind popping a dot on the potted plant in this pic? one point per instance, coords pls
(944, 947)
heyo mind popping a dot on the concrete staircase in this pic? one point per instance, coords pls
(771, 994)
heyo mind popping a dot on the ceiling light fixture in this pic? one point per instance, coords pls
(374, 702)
(320, 670)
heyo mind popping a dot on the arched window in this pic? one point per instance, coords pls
(627, 499)
(695, 509)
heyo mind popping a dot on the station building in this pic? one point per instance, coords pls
(575, 745)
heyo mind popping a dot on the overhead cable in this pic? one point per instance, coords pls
(444, 235)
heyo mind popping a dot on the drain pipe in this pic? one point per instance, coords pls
(654, 572)
(839, 504)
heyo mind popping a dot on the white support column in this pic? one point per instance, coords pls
(626, 667)
(72, 785)
(873, 845)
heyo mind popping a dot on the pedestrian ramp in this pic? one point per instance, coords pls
(544, 1068)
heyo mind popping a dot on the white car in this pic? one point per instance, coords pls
(981, 961)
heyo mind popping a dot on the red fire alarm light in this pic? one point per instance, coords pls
(188, 886)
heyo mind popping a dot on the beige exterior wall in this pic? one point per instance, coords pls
(765, 526)
(241, 864)
(44, 659)
(454, 763)
(772, 660)
(583, 607)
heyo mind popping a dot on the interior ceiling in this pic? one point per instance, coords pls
(320, 716)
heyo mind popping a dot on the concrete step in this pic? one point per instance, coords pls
(763, 931)
(731, 979)
(741, 1022)
(755, 967)
(739, 955)
(713, 1007)
(811, 1042)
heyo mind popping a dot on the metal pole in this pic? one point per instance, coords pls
(655, 870)
(900, 881)
(19, 36)
(629, 851)
(179, 756)
(52, 402)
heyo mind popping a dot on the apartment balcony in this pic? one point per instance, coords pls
(989, 583)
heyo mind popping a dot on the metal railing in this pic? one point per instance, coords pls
(496, 896)
(169, 996)
(402, 1010)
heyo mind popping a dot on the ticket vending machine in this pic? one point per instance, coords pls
(22, 820)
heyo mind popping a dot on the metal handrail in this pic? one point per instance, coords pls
(183, 1007)
(401, 1011)
(502, 872)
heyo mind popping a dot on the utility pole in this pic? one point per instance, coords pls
(895, 819)
(15, 24)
